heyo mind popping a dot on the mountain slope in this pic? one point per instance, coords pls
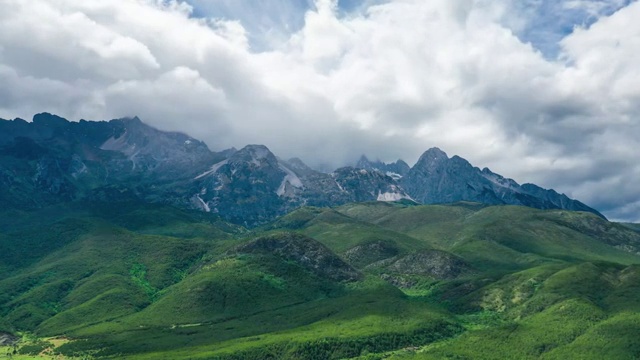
(142, 281)
(506, 237)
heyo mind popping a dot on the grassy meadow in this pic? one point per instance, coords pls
(361, 281)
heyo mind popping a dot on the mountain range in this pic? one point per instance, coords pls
(51, 160)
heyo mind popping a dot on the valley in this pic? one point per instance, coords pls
(364, 280)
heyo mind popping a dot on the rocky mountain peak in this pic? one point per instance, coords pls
(368, 185)
(226, 153)
(436, 178)
(396, 170)
(363, 162)
(402, 164)
(460, 160)
(431, 158)
(46, 119)
(500, 180)
(258, 155)
(145, 145)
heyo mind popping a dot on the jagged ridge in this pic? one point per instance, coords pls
(52, 160)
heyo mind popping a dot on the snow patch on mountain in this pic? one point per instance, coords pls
(133, 159)
(205, 207)
(394, 176)
(391, 196)
(212, 169)
(501, 181)
(290, 178)
(394, 193)
(119, 144)
(258, 153)
(81, 167)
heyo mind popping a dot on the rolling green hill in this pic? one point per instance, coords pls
(366, 280)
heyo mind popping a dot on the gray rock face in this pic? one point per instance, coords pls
(52, 160)
(252, 186)
(438, 179)
(7, 339)
(305, 252)
(395, 170)
(434, 263)
(167, 155)
(246, 188)
(368, 185)
(366, 254)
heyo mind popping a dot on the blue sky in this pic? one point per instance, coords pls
(549, 21)
(543, 22)
(269, 21)
(263, 19)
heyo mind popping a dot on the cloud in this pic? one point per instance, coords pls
(328, 81)
(64, 42)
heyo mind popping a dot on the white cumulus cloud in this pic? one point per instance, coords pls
(389, 79)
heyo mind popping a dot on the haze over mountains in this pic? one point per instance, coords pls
(52, 160)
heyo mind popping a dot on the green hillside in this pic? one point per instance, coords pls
(368, 281)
